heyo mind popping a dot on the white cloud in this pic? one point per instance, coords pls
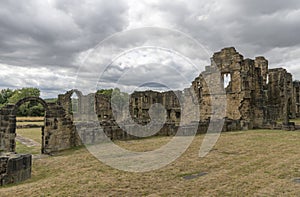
(50, 82)
(43, 43)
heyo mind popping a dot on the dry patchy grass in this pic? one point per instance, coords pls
(250, 163)
(30, 123)
(30, 118)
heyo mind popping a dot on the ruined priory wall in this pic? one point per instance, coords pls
(280, 90)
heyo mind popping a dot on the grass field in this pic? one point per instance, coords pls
(32, 133)
(296, 121)
(35, 123)
(29, 118)
(22, 149)
(249, 163)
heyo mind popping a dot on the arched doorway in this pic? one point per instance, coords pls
(33, 134)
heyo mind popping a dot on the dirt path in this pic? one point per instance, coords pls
(26, 141)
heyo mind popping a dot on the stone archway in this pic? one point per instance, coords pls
(13, 119)
(27, 99)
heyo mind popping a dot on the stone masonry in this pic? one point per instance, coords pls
(245, 87)
(14, 168)
(256, 96)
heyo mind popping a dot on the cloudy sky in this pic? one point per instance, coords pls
(57, 45)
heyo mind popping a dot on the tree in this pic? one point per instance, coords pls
(5, 94)
(107, 92)
(23, 93)
(118, 98)
(31, 108)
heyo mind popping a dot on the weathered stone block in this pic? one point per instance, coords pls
(14, 168)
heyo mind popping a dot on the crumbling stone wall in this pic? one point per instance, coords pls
(295, 108)
(61, 133)
(14, 168)
(280, 95)
(58, 132)
(104, 109)
(8, 123)
(140, 103)
(64, 100)
(255, 96)
(245, 87)
(85, 114)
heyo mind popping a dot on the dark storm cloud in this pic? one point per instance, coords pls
(259, 27)
(57, 35)
(34, 32)
(269, 24)
(263, 23)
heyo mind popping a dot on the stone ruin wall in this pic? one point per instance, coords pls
(57, 133)
(295, 108)
(14, 168)
(245, 91)
(256, 97)
(280, 95)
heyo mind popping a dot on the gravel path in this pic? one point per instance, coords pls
(26, 141)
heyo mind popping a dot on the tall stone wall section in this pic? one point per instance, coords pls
(141, 102)
(280, 95)
(59, 133)
(295, 111)
(244, 83)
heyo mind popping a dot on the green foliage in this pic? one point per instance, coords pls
(5, 94)
(118, 98)
(22, 93)
(107, 92)
(27, 109)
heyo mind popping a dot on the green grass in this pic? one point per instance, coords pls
(22, 149)
(32, 133)
(296, 121)
(248, 163)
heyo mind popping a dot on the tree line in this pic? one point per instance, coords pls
(30, 108)
(33, 108)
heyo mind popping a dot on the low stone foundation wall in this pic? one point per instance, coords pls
(91, 132)
(289, 127)
(14, 168)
